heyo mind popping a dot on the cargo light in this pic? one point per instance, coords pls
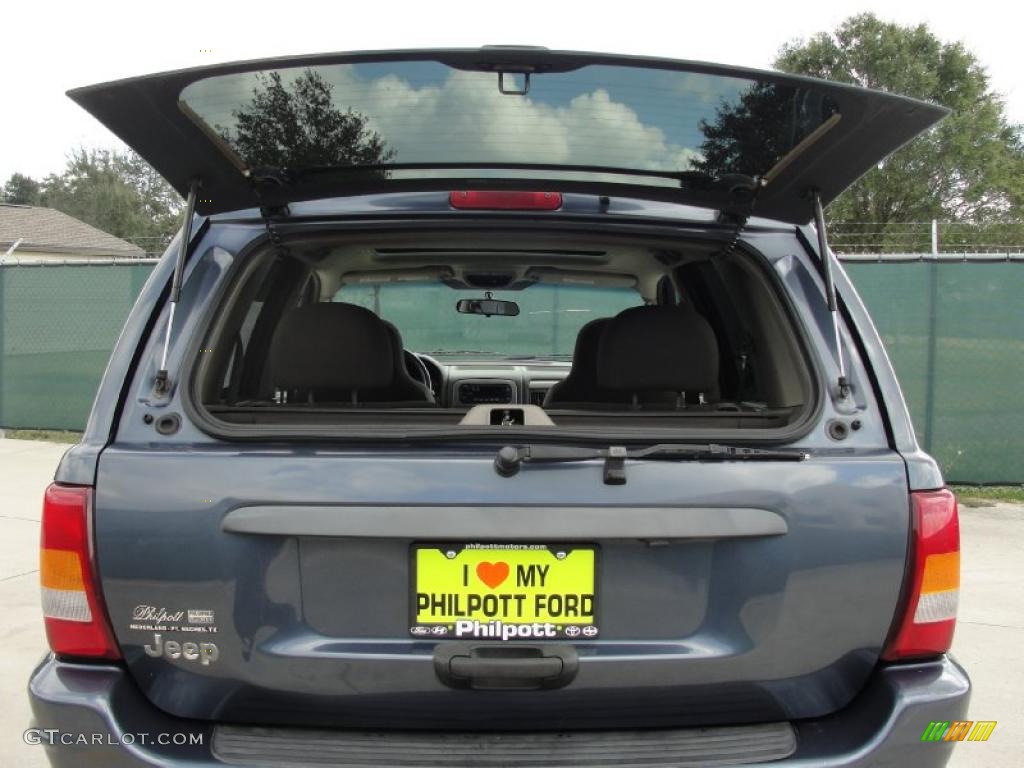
(506, 200)
(76, 620)
(932, 587)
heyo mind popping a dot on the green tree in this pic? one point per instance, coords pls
(22, 189)
(749, 135)
(297, 125)
(117, 192)
(969, 168)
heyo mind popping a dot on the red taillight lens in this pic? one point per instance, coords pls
(926, 626)
(503, 200)
(76, 621)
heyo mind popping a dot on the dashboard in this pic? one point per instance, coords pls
(464, 384)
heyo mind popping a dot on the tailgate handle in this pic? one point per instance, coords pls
(487, 522)
(505, 667)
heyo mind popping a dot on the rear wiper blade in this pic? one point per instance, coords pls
(511, 458)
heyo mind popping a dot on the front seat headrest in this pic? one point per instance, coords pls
(580, 386)
(587, 342)
(331, 346)
(658, 348)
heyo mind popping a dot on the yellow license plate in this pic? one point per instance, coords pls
(504, 591)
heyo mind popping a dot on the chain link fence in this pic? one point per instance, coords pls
(936, 238)
(953, 326)
(152, 247)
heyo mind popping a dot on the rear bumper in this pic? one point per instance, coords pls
(94, 715)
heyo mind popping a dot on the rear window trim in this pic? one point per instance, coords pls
(654, 230)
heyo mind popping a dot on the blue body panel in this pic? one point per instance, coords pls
(312, 629)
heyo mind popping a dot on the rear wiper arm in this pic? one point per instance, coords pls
(511, 458)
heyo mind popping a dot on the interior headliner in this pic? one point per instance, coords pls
(403, 258)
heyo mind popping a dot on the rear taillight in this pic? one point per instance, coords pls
(506, 200)
(76, 621)
(925, 628)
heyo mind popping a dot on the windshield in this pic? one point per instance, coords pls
(550, 317)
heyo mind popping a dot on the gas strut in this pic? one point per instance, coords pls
(830, 291)
(162, 384)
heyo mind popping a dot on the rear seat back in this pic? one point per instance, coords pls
(659, 355)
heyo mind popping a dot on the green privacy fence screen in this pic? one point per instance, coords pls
(955, 333)
(58, 324)
(954, 330)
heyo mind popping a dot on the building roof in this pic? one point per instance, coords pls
(51, 231)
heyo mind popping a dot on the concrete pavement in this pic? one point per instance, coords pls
(989, 639)
(25, 470)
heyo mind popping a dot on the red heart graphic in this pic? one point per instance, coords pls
(492, 574)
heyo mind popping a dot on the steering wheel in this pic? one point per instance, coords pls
(417, 369)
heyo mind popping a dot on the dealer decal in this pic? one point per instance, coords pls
(151, 618)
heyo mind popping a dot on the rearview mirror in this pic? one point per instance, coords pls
(487, 307)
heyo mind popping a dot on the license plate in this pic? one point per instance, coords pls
(504, 591)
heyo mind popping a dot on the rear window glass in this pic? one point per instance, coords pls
(550, 317)
(430, 329)
(599, 119)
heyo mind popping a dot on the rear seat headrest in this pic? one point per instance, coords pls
(658, 349)
(331, 346)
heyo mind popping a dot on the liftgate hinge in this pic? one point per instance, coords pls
(271, 215)
(744, 191)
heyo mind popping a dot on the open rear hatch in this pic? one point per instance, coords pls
(268, 132)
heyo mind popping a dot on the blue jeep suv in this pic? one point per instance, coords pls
(499, 407)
